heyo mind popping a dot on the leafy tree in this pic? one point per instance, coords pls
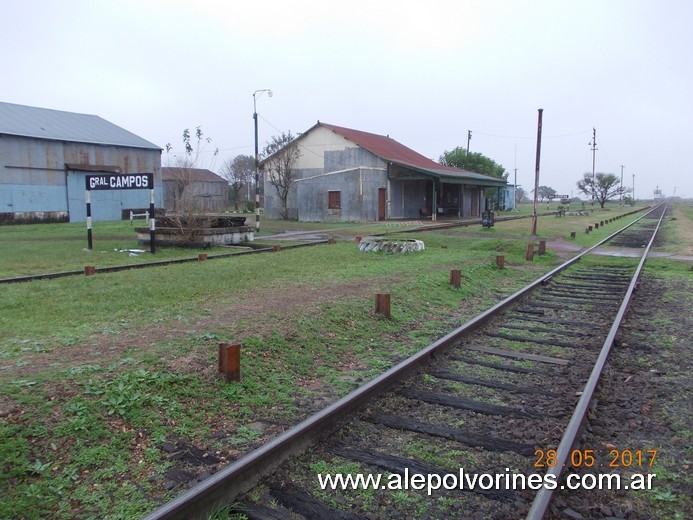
(544, 192)
(240, 172)
(603, 186)
(281, 154)
(474, 162)
(520, 195)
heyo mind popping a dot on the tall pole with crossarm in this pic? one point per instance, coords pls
(257, 158)
(593, 144)
(536, 174)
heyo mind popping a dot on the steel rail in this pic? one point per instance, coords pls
(159, 263)
(543, 498)
(241, 475)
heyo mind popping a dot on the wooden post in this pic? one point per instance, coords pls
(382, 305)
(358, 239)
(596, 225)
(542, 247)
(572, 234)
(201, 257)
(331, 241)
(529, 256)
(500, 261)
(230, 361)
(455, 278)
(587, 230)
(277, 248)
(589, 227)
(89, 270)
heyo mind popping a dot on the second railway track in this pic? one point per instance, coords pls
(494, 398)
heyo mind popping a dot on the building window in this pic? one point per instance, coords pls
(334, 199)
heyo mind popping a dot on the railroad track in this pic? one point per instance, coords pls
(501, 397)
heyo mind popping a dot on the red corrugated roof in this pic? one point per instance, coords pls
(388, 149)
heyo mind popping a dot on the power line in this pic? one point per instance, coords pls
(533, 137)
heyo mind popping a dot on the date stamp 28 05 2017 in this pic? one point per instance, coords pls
(589, 458)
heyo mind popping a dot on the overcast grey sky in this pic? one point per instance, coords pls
(423, 72)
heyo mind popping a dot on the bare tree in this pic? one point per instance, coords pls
(281, 154)
(240, 172)
(188, 217)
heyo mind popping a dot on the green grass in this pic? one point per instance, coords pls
(48, 248)
(103, 419)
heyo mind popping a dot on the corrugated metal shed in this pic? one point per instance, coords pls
(374, 178)
(173, 173)
(44, 123)
(194, 188)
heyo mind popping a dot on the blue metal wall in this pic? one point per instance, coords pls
(34, 178)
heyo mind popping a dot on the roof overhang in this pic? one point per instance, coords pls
(93, 168)
(453, 176)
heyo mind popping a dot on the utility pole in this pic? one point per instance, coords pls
(257, 160)
(620, 195)
(536, 175)
(515, 192)
(593, 144)
(469, 138)
(633, 189)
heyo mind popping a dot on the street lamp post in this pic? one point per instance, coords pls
(633, 189)
(257, 159)
(593, 144)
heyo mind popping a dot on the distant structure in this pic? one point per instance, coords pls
(200, 188)
(351, 175)
(657, 194)
(45, 155)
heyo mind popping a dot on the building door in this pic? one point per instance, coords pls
(476, 194)
(382, 203)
